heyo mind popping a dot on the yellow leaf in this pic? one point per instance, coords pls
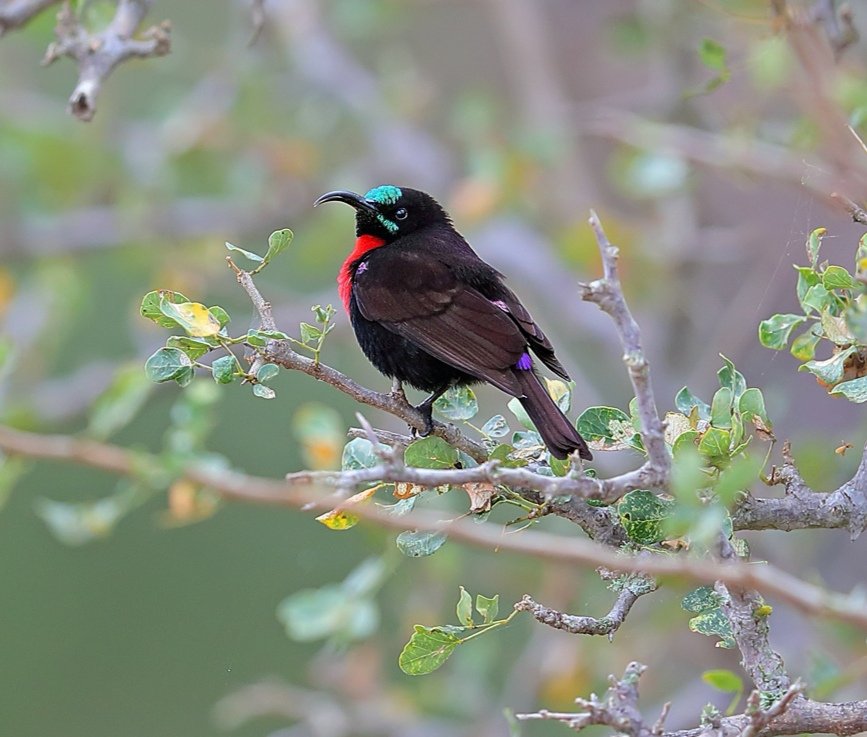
(338, 518)
(197, 321)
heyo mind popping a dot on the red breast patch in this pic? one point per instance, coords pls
(363, 244)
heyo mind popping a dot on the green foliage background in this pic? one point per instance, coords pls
(145, 629)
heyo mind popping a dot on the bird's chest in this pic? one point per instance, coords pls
(355, 264)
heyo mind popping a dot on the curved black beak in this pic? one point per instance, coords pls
(350, 198)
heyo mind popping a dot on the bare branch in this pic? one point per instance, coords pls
(98, 54)
(618, 708)
(18, 13)
(608, 294)
(803, 508)
(582, 625)
(790, 714)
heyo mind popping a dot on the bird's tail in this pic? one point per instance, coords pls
(558, 434)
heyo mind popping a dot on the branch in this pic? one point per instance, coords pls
(18, 13)
(802, 508)
(608, 294)
(618, 708)
(236, 486)
(582, 625)
(838, 24)
(98, 54)
(790, 714)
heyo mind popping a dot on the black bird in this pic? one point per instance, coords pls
(428, 311)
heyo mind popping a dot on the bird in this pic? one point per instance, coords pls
(429, 312)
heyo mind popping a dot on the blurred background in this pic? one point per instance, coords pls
(706, 140)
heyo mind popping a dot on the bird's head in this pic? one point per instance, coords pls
(390, 212)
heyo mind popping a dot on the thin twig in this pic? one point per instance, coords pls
(608, 294)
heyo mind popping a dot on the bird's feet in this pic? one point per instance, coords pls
(426, 409)
(397, 391)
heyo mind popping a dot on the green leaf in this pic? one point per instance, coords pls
(742, 473)
(358, 453)
(836, 277)
(260, 338)
(496, 427)
(855, 390)
(775, 331)
(856, 320)
(712, 54)
(642, 515)
(685, 440)
(829, 371)
(430, 452)
(517, 409)
(417, 544)
(220, 314)
(723, 680)
(752, 404)
(464, 608)
(804, 346)
(488, 608)
(264, 392)
(78, 523)
(721, 408)
(714, 623)
(729, 376)
(503, 454)
(427, 650)
(322, 314)
(702, 599)
(685, 400)
(169, 364)
(818, 298)
(316, 614)
(715, 445)
(246, 254)
(278, 242)
(224, 369)
(835, 328)
(119, 403)
(150, 306)
(814, 243)
(610, 427)
(458, 403)
(193, 347)
(267, 372)
(807, 278)
(310, 333)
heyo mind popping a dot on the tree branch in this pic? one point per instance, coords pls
(802, 508)
(18, 13)
(98, 54)
(582, 625)
(233, 485)
(790, 714)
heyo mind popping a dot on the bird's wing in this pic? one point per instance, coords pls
(417, 296)
(535, 337)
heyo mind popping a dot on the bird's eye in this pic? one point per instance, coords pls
(401, 213)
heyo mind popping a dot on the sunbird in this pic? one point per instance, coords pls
(427, 311)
